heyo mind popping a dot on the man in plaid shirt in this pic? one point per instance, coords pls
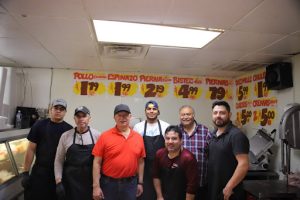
(195, 139)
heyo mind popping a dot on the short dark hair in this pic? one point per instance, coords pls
(174, 128)
(221, 103)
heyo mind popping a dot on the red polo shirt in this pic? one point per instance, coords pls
(119, 155)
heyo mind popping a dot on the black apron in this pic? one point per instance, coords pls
(77, 173)
(42, 179)
(152, 144)
(173, 182)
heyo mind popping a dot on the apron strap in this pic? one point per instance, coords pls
(91, 136)
(74, 135)
(89, 130)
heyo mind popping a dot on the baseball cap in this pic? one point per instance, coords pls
(121, 107)
(82, 109)
(59, 102)
(154, 103)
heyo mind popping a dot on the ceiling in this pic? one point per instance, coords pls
(59, 34)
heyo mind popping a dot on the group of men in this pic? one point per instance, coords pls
(151, 161)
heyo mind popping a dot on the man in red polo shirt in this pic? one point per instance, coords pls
(119, 160)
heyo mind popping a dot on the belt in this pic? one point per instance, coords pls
(127, 179)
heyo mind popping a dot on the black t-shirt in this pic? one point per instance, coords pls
(46, 135)
(222, 162)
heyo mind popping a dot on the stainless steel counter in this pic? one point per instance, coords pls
(262, 175)
(271, 189)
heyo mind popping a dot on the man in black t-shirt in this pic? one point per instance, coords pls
(43, 140)
(228, 161)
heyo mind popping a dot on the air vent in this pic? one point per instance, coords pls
(123, 51)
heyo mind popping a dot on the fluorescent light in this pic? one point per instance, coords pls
(134, 33)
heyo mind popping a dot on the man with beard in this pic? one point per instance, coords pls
(228, 156)
(152, 130)
(195, 139)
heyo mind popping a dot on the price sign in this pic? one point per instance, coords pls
(260, 89)
(242, 92)
(244, 116)
(219, 93)
(264, 116)
(88, 88)
(187, 91)
(154, 90)
(122, 88)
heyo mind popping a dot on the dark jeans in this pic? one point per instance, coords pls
(122, 189)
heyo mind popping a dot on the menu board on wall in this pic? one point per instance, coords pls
(254, 102)
(147, 85)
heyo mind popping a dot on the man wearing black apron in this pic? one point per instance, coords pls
(43, 139)
(175, 170)
(74, 159)
(152, 131)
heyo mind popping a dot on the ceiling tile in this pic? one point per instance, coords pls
(242, 41)
(219, 57)
(288, 46)
(208, 13)
(170, 54)
(26, 53)
(263, 58)
(46, 8)
(9, 28)
(6, 62)
(272, 16)
(130, 10)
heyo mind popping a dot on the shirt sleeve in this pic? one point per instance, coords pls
(137, 128)
(99, 148)
(191, 175)
(240, 144)
(34, 133)
(60, 157)
(156, 164)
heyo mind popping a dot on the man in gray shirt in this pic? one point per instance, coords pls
(74, 159)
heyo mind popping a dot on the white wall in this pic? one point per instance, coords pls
(39, 91)
(102, 106)
(284, 97)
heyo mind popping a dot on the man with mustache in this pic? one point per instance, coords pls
(175, 173)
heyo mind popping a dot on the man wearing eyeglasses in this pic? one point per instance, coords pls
(43, 140)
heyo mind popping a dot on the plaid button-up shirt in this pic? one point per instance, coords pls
(197, 143)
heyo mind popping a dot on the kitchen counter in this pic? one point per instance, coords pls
(271, 189)
(262, 175)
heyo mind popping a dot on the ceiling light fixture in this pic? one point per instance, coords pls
(147, 34)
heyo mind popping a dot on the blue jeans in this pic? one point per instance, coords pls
(114, 189)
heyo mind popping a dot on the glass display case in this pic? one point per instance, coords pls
(18, 148)
(6, 167)
(13, 145)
